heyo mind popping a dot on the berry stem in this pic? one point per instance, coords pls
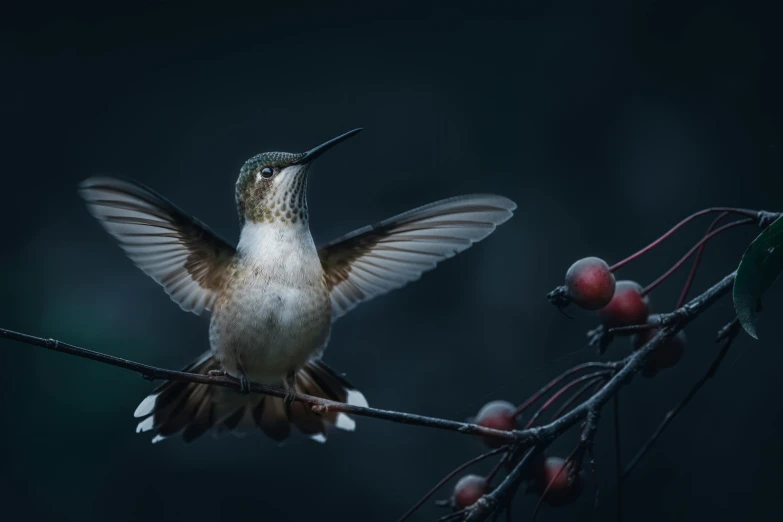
(568, 462)
(690, 252)
(729, 334)
(678, 226)
(597, 383)
(450, 476)
(453, 516)
(495, 470)
(697, 261)
(592, 377)
(557, 380)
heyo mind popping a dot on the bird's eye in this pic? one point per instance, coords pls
(267, 172)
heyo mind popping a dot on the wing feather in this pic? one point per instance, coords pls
(173, 248)
(377, 259)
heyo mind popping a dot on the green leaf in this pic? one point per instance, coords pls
(760, 267)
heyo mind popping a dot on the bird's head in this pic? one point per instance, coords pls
(272, 186)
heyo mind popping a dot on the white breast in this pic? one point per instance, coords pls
(276, 312)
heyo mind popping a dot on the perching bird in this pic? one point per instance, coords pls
(275, 296)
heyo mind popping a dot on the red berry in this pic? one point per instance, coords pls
(555, 476)
(666, 355)
(627, 307)
(468, 490)
(590, 284)
(498, 415)
(669, 353)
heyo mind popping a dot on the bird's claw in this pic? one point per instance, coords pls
(290, 396)
(290, 392)
(244, 384)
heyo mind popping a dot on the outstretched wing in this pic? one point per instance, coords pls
(175, 249)
(376, 259)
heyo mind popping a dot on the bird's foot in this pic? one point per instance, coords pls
(290, 396)
(244, 384)
(290, 393)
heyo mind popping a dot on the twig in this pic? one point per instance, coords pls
(696, 262)
(600, 337)
(740, 211)
(565, 467)
(448, 477)
(452, 516)
(590, 378)
(491, 475)
(487, 504)
(690, 252)
(727, 335)
(578, 394)
(557, 380)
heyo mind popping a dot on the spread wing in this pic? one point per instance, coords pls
(376, 259)
(173, 248)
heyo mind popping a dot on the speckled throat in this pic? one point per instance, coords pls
(282, 199)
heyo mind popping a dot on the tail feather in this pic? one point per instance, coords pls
(201, 423)
(273, 419)
(331, 384)
(191, 410)
(307, 385)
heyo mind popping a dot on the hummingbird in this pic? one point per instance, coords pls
(273, 297)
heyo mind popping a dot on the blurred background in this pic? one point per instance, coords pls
(606, 124)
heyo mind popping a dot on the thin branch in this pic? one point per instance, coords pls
(557, 380)
(578, 394)
(727, 335)
(740, 211)
(448, 477)
(690, 252)
(696, 262)
(573, 464)
(452, 516)
(591, 378)
(489, 503)
(496, 469)
(319, 404)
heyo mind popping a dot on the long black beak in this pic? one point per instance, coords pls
(311, 154)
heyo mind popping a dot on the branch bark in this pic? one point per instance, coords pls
(671, 323)
(319, 404)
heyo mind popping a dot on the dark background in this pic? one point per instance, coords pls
(605, 124)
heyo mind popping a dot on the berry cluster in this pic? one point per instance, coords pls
(590, 284)
(623, 308)
(552, 478)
